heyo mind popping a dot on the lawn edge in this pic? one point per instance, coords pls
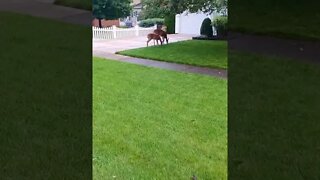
(152, 67)
(156, 59)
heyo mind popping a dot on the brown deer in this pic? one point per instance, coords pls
(163, 34)
(153, 36)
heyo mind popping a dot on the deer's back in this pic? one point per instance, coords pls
(153, 36)
(160, 32)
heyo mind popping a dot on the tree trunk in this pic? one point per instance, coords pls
(100, 23)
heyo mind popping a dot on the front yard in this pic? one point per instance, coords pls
(194, 52)
(150, 123)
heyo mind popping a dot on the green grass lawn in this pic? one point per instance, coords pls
(45, 92)
(273, 118)
(150, 123)
(194, 52)
(278, 18)
(81, 4)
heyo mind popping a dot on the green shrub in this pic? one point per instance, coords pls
(123, 27)
(170, 22)
(220, 23)
(151, 22)
(206, 28)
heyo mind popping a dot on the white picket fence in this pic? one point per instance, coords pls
(117, 33)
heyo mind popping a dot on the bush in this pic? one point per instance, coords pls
(123, 27)
(170, 22)
(220, 23)
(206, 28)
(151, 22)
(141, 16)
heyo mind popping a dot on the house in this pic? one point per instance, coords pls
(190, 23)
(136, 10)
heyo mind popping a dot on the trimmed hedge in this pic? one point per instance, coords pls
(151, 22)
(221, 25)
(170, 22)
(206, 28)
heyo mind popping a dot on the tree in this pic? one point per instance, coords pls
(162, 8)
(169, 8)
(153, 9)
(166, 9)
(208, 6)
(111, 9)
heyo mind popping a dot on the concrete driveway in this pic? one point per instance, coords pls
(112, 46)
(107, 48)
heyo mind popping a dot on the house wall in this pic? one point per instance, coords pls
(137, 10)
(106, 23)
(190, 23)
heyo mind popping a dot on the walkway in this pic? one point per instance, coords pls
(107, 48)
(46, 9)
(165, 65)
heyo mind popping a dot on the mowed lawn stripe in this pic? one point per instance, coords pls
(157, 124)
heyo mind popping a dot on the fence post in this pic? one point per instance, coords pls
(93, 33)
(137, 30)
(104, 33)
(114, 31)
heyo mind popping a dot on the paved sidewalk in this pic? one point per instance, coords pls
(46, 9)
(164, 65)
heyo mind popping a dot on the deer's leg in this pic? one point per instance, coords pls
(148, 42)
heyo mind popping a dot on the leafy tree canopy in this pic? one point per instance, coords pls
(111, 9)
(208, 6)
(162, 8)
